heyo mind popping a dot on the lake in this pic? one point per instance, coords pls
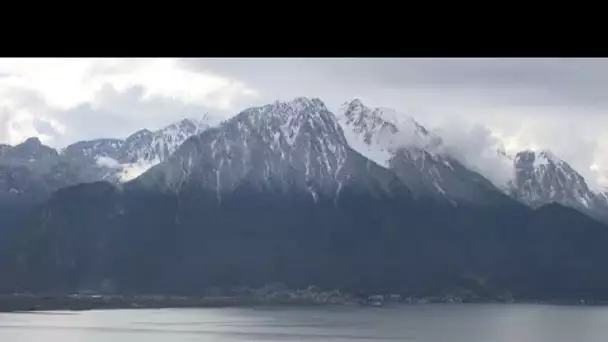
(416, 323)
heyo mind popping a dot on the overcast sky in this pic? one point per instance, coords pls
(558, 104)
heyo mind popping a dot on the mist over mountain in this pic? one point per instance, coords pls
(398, 142)
(418, 157)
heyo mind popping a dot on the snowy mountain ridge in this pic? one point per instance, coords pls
(121, 160)
(425, 163)
(541, 177)
(415, 154)
(378, 133)
(287, 146)
(300, 144)
(31, 171)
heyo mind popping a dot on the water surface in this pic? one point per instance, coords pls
(417, 323)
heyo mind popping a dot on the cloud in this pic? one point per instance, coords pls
(104, 161)
(65, 100)
(134, 170)
(5, 119)
(518, 82)
(478, 149)
(126, 171)
(67, 83)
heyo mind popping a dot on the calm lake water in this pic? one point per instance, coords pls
(419, 323)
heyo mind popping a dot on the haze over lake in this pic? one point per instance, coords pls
(416, 323)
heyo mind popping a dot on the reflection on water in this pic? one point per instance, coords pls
(418, 323)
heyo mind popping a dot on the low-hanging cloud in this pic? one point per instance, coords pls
(478, 149)
(108, 162)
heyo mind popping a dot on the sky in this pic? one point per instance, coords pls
(476, 104)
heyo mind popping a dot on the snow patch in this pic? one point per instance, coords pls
(133, 170)
(439, 188)
(374, 152)
(126, 171)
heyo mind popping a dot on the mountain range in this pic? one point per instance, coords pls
(365, 199)
(31, 171)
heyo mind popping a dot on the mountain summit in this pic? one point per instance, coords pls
(378, 133)
(541, 178)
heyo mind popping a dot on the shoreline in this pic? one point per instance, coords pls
(75, 303)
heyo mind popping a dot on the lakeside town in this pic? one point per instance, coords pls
(269, 295)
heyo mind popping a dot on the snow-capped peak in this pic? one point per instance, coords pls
(188, 125)
(144, 150)
(284, 110)
(291, 117)
(303, 103)
(365, 118)
(295, 144)
(541, 177)
(416, 155)
(288, 120)
(122, 160)
(546, 157)
(537, 159)
(378, 133)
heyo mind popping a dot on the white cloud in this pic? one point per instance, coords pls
(43, 89)
(66, 83)
(126, 171)
(105, 161)
(477, 148)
